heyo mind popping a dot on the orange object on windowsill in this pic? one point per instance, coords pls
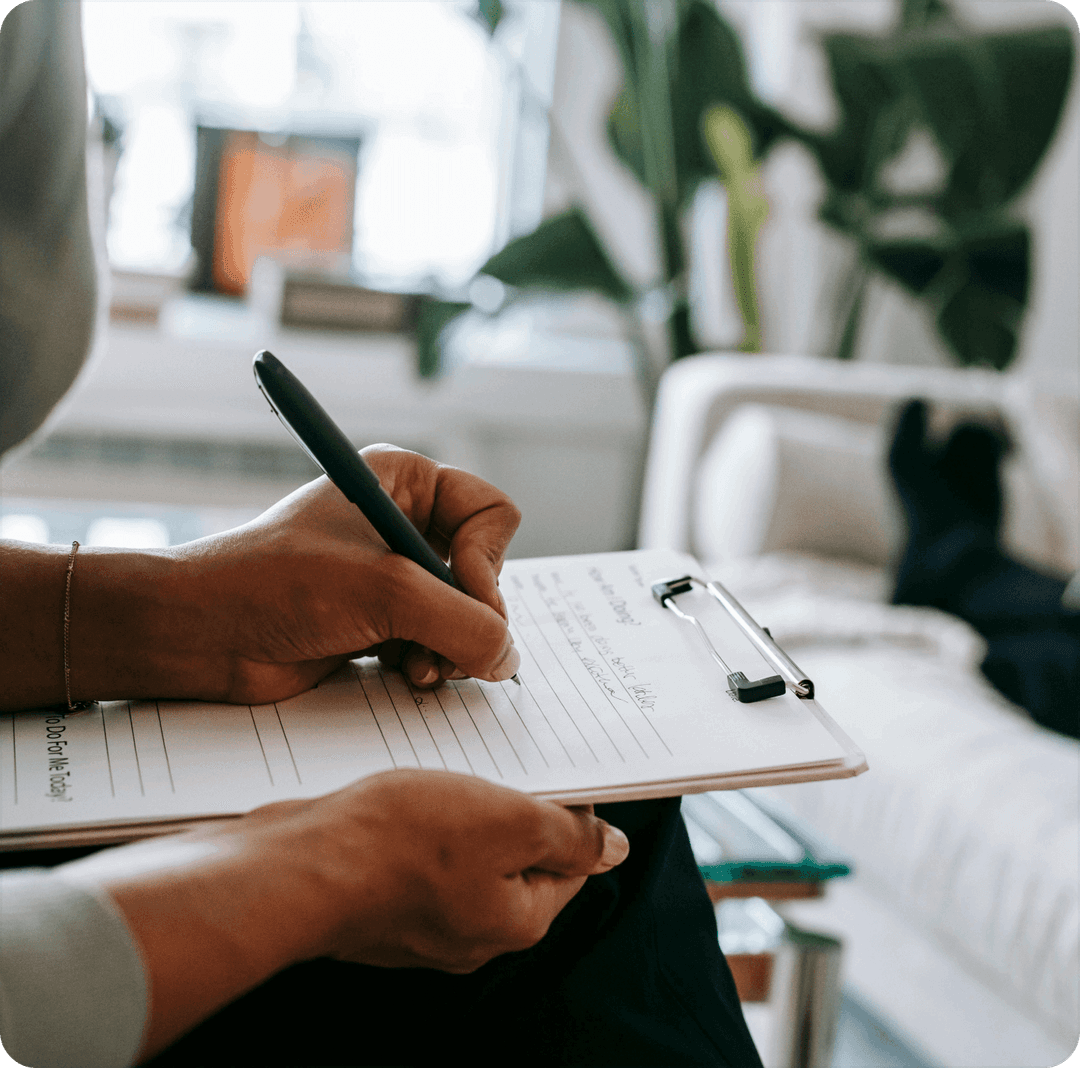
(292, 200)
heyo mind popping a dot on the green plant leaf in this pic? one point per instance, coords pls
(624, 120)
(706, 68)
(873, 122)
(999, 260)
(914, 264)
(710, 69)
(432, 318)
(918, 13)
(731, 148)
(1035, 69)
(980, 326)
(489, 14)
(624, 131)
(982, 275)
(562, 253)
(683, 342)
(993, 103)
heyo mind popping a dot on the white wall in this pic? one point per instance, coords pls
(801, 261)
(563, 441)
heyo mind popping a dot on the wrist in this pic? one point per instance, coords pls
(137, 629)
(214, 914)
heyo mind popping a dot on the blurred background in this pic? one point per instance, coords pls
(484, 230)
(343, 184)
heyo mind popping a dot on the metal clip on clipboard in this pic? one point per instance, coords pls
(741, 688)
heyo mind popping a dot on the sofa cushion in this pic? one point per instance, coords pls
(778, 479)
(967, 821)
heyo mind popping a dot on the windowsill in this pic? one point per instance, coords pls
(563, 441)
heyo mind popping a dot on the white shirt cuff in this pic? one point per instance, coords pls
(72, 982)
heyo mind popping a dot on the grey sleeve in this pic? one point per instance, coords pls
(47, 273)
(72, 984)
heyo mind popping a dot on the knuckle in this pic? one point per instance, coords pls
(531, 828)
(379, 452)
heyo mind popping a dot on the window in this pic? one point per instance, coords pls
(447, 117)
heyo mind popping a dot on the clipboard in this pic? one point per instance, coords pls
(619, 701)
(739, 686)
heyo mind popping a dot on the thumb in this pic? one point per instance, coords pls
(575, 842)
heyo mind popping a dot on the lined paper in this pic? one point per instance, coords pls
(618, 699)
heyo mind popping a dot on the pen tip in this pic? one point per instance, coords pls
(514, 678)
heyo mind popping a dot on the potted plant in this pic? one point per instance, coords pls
(988, 101)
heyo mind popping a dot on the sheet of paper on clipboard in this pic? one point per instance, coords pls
(659, 684)
(620, 699)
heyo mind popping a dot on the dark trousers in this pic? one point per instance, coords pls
(1032, 640)
(952, 497)
(629, 974)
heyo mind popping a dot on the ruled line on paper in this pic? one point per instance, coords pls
(480, 733)
(371, 709)
(557, 582)
(558, 737)
(449, 723)
(415, 712)
(513, 748)
(135, 748)
(524, 726)
(108, 757)
(262, 748)
(390, 725)
(288, 745)
(573, 719)
(522, 600)
(164, 747)
(397, 716)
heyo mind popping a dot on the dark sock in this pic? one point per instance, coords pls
(952, 500)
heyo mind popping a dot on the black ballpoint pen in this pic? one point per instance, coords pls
(321, 438)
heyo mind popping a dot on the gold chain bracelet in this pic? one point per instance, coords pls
(73, 706)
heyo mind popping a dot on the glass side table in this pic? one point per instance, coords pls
(751, 853)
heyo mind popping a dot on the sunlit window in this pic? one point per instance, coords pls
(434, 101)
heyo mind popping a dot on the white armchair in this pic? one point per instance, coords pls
(962, 922)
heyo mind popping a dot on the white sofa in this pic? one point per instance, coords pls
(961, 923)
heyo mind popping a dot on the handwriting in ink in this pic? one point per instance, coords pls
(601, 677)
(643, 696)
(616, 601)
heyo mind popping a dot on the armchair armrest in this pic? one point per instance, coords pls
(698, 394)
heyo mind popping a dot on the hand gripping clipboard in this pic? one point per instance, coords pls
(739, 686)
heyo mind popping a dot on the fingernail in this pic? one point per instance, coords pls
(616, 846)
(429, 675)
(508, 666)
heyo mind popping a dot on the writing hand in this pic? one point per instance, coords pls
(262, 612)
(310, 583)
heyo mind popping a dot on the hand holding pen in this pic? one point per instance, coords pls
(324, 442)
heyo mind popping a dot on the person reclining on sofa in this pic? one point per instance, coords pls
(953, 560)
